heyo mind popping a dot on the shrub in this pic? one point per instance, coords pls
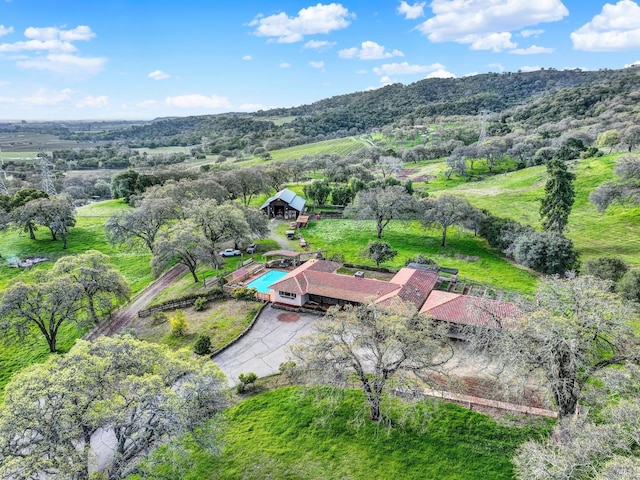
(178, 323)
(422, 260)
(629, 286)
(246, 380)
(500, 232)
(203, 345)
(244, 293)
(544, 252)
(158, 318)
(336, 257)
(200, 304)
(605, 268)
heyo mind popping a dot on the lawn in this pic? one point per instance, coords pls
(284, 434)
(469, 254)
(223, 321)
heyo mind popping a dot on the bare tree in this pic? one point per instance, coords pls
(374, 343)
(445, 211)
(383, 205)
(183, 243)
(142, 224)
(43, 306)
(575, 328)
(103, 286)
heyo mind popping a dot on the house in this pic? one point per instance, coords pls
(316, 282)
(285, 204)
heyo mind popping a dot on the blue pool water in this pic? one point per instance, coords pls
(262, 283)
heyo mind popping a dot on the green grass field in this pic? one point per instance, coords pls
(338, 146)
(469, 254)
(283, 434)
(515, 195)
(88, 234)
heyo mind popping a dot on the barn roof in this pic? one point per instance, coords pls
(294, 200)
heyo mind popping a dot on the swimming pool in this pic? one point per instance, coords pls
(262, 283)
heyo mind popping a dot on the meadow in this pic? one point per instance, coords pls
(286, 434)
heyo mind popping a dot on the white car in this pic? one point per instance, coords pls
(230, 252)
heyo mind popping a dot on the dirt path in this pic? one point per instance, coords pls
(283, 242)
(123, 317)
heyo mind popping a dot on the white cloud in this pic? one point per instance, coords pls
(159, 75)
(528, 68)
(48, 97)
(4, 84)
(66, 64)
(5, 30)
(52, 45)
(468, 21)
(80, 33)
(441, 73)
(147, 103)
(411, 12)
(93, 102)
(247, 57)
(369, 51)
(317, 64)
(531, 33)
(492, 41)
(252, 107)
(616, 27)
(498, 66)
(284, 65)
(198, 101)
(362, 72)
(309, 21)
(318, 45)
(387, 71)
(7, 100)
(532, 50)
(634, 64)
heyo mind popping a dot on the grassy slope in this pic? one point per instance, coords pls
(338, 146)
(88, 234)
(280, 434)
(612, 233)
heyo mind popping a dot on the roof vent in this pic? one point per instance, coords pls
(359, 274)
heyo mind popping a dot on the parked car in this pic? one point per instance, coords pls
(252, 248)
(230, 252)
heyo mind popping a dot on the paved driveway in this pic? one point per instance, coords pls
(266, 345)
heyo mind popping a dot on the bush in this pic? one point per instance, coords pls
(178, 323)
(203, 345)
(336, 257)
(500, 232)
(422, 260)
(200, 304)
(246, 380)
(544, 252)
(158, 318)
(629, 286)
(605, 268)
(244, 293)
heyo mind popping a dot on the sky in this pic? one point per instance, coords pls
(142, 59)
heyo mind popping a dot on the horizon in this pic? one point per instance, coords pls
(128, 60)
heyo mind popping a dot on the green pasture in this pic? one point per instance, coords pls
(515, 195)
(471, 255)
(338, 146)
(285, 434)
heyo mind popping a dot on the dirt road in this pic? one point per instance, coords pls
(122, 318)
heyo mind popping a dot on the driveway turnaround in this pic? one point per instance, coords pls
(266, 345)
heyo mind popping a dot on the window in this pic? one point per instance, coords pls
(287, 294)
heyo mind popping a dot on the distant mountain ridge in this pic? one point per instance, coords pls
(528, 98)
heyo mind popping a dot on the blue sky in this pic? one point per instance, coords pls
(141, 59)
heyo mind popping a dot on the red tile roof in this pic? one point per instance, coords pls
(469, 310)
(416, 285)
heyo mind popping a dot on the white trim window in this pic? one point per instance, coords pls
(287, 295)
